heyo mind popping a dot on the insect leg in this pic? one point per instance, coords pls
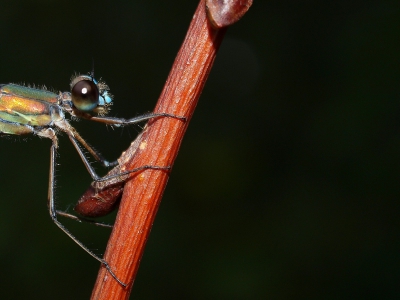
(105, 178)
(81, 219)
(138, 119)
(53, 211)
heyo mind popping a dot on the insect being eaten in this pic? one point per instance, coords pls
(26, 110)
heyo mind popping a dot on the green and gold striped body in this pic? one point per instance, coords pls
(23, 108)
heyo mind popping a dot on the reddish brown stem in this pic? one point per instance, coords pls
(157, 145)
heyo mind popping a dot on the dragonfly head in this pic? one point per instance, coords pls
(90, 96)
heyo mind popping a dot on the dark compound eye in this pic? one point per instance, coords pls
(85, 95)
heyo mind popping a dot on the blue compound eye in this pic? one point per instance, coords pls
(85, 95)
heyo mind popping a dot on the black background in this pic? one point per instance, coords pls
(287, 182)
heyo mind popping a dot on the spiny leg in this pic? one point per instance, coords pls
(96, 154)
(53, 211)
(123, 122)
(80, 219)
(49, 133)
(119, 122)
(97, 178)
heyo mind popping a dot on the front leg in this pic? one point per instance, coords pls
(123, 122)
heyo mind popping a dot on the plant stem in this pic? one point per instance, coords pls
(157, 145)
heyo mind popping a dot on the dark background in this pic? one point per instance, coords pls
(287, 182)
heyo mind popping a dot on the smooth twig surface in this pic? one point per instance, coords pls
(158, 145)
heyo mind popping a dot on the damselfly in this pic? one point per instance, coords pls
(27, 110)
